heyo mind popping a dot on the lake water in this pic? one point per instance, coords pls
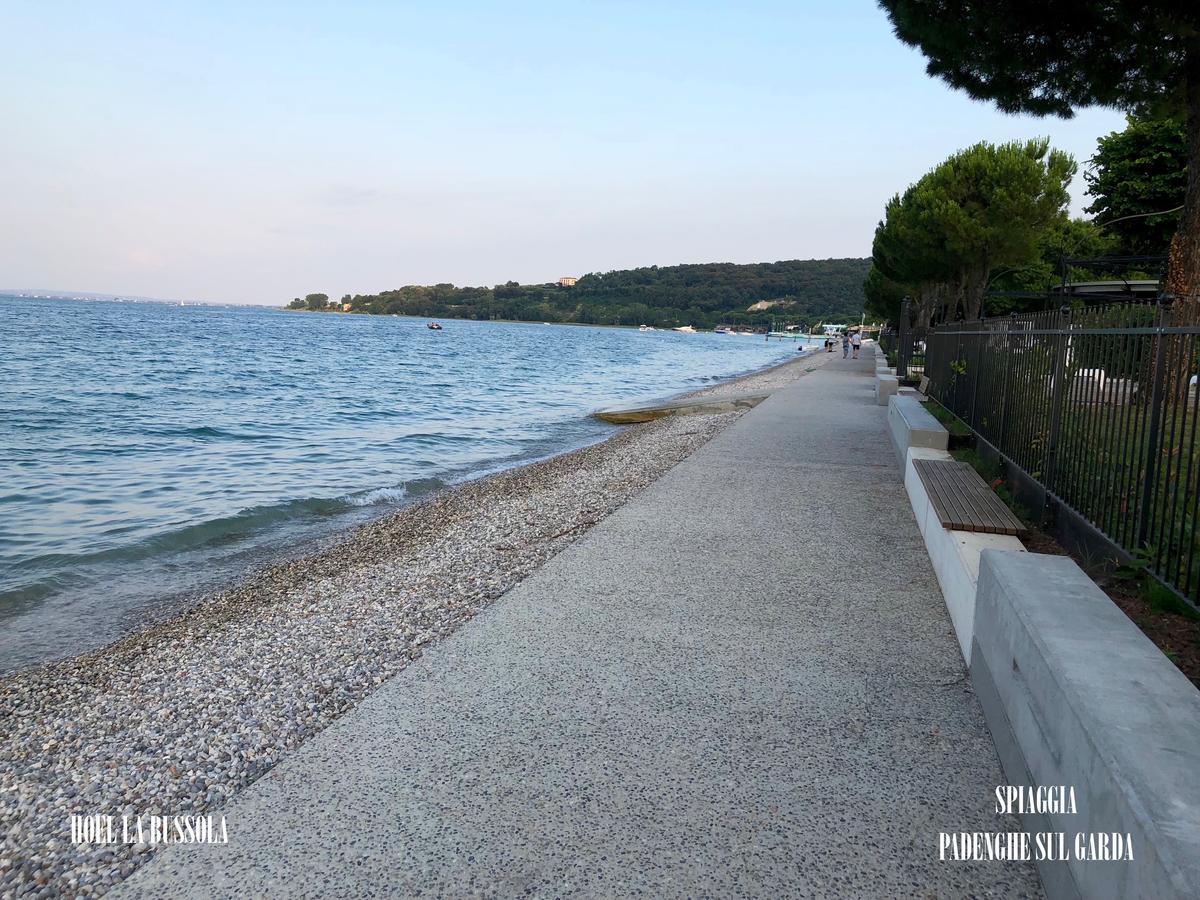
(150, 451)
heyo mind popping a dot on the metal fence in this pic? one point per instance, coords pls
(1100, 407)
(910, 344)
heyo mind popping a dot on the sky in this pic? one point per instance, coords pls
(253, 152)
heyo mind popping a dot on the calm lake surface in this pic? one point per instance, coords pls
(151, 451)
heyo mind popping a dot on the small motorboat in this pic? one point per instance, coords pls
(647, 328)
(686, 329)
(434, 326)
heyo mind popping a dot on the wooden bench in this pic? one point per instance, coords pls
(963, 501)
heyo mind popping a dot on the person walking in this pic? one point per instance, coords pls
(845, 345)
(856, 342)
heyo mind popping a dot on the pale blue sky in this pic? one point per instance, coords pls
(253, 152)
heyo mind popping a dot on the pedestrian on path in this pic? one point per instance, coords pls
(856, 342)
(845, 344)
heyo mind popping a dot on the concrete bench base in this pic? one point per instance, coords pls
(1076, 695)
(954, 554)
(885, 387)
(912, 425)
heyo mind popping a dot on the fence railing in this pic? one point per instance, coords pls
(910, 344)
(1099, 406)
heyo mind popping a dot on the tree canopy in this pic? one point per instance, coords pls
(1140, 170)
(310, 301)
(1052, 58)
(702, 295)
(984, 208)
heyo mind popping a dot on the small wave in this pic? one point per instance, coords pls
(209, 432)
(379, 495)
(231, 529)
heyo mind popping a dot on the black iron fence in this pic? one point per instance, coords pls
(910, 344)
(1100, 407)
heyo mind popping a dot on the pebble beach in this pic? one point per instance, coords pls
(176, 718)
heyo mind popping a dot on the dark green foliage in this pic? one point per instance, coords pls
(1162, 599)
(1078, 238)
(1141, 56)
(1052, 58)
(701, 295)
(1140, 170)
(984, 208)
(883, 296)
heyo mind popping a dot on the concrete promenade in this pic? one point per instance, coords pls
(743, 683)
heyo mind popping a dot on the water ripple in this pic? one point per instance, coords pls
(142, 441)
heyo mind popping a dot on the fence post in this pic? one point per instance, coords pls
(1158, 346)
(1005, 398)
(1057, 386)
(903, 339)
(977, 367)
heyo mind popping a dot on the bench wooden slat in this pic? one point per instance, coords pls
(989, 511)
(969, 504)
(963, 501)
(977, 507)
(952, 504)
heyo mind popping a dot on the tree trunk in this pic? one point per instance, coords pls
(1183, 263)
(974, 287)
(1182, 284)
(926, 300)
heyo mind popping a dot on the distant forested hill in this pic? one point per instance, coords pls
(703, 295)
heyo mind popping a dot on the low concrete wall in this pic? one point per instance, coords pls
(954, 554)
(885, 386)
(1076, 695)
(912, 425)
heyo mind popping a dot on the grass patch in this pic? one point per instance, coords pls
(1163, 600)
(952, 423)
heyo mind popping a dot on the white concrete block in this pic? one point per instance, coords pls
(954, 554)
(1075, 694)
(885, 386)
(912, 425)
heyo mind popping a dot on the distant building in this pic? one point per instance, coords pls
(567, 281)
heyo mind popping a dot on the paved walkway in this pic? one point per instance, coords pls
(742, 683)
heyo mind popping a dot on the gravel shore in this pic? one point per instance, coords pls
(175, 719)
